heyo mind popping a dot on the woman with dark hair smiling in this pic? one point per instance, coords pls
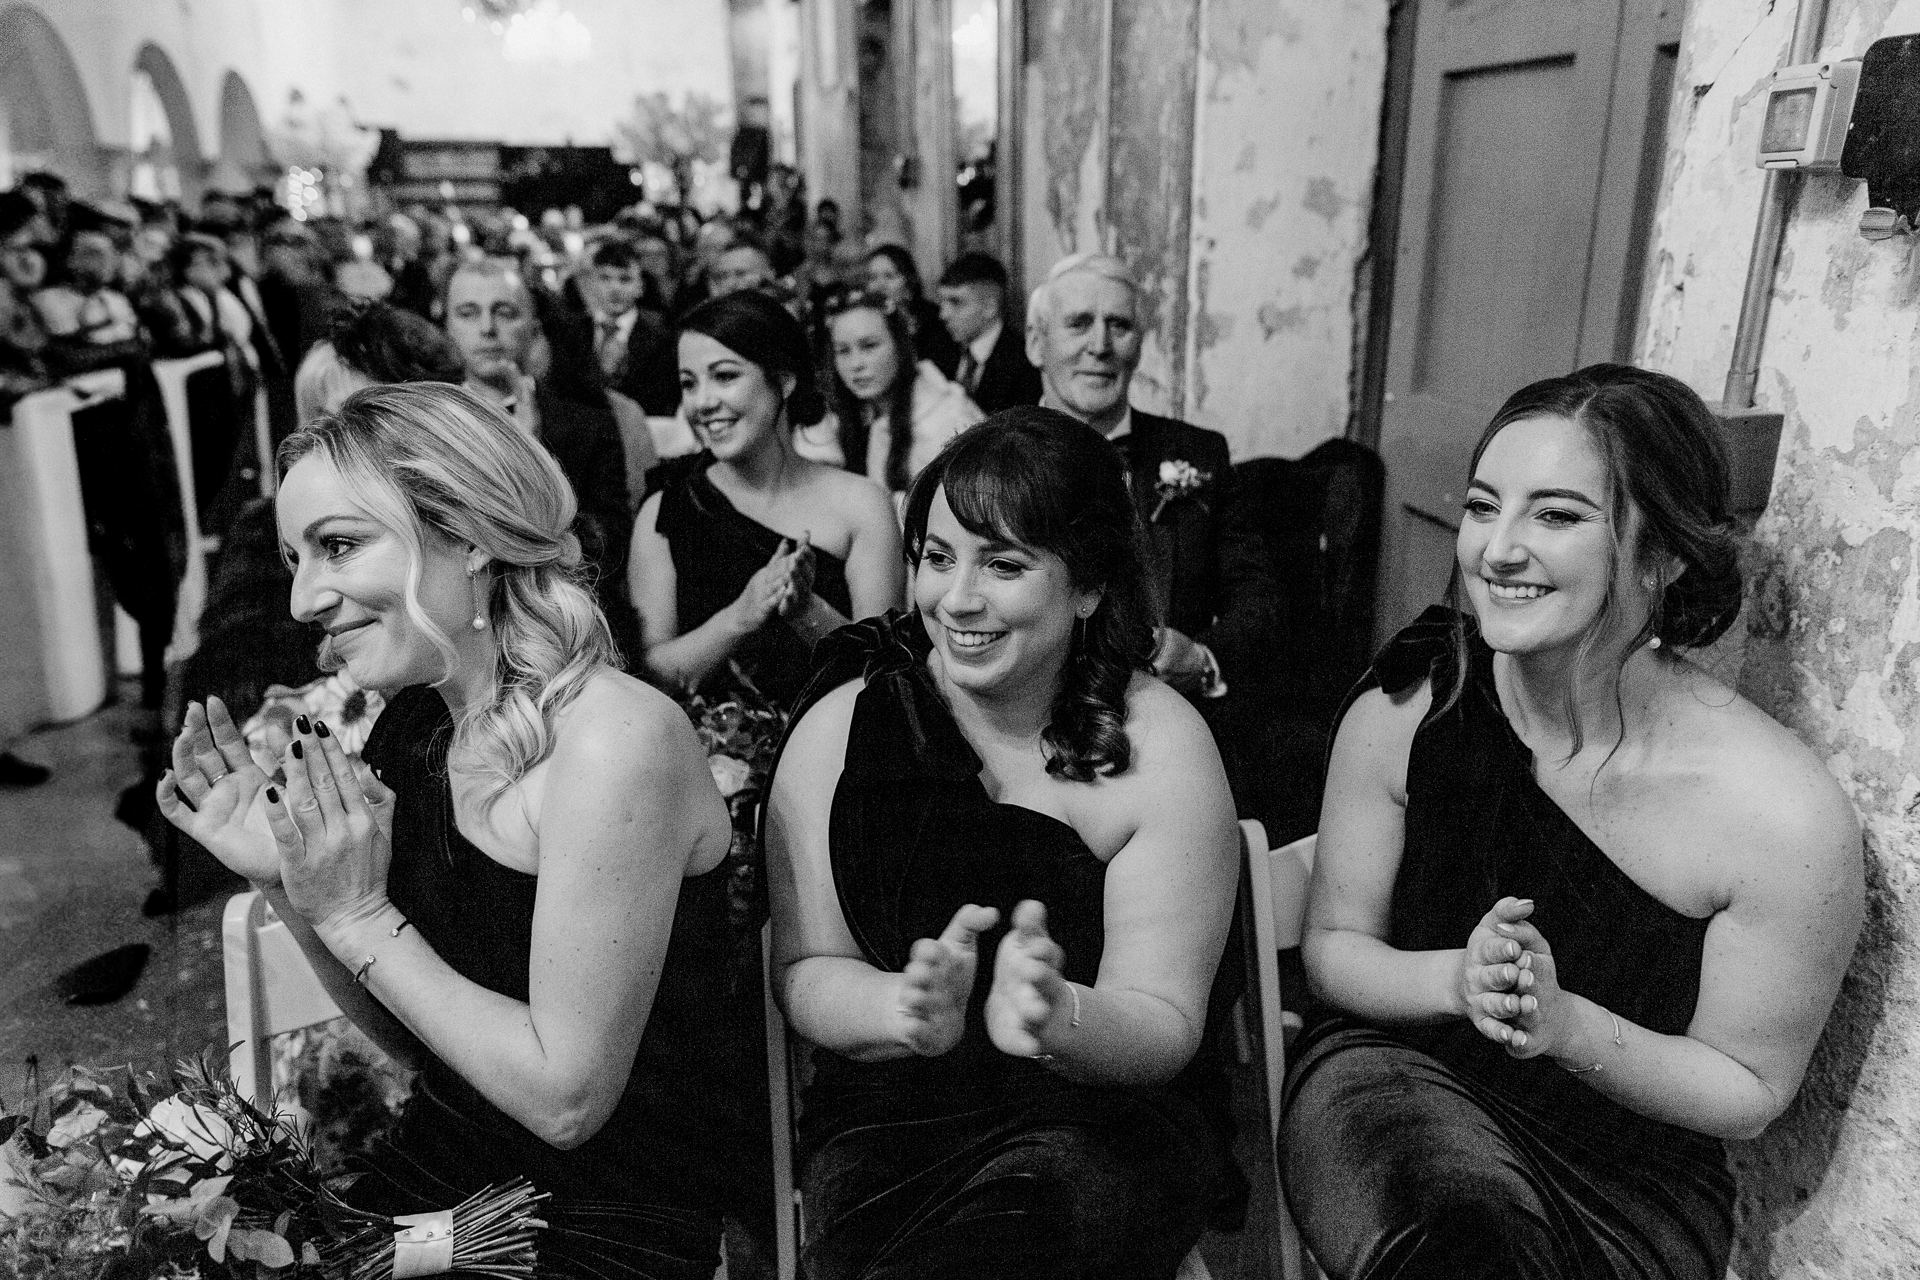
(1583, 909)
(747, 553)
(995, 781)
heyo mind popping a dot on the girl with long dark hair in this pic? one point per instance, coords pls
(1003, 861)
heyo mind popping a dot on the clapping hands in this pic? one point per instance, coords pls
(937, 981)
(1509, 984)
(781, 587)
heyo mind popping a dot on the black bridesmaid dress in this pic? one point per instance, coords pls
(975, 1163)
(1428, 1151)
(688, 1141)
(716, 550)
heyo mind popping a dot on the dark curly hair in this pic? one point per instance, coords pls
(1664, 459)
(854, 427)
(1039, 479)
(762, 332)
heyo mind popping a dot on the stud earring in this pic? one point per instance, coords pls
(1654, 643)
(479, 602)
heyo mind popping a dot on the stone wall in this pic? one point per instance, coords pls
(1833, 630)
(1226, 152)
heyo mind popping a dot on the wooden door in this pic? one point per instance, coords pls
(1533, 151)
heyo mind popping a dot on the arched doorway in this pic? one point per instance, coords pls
(245, 161)
(45, 121)
(164, 146)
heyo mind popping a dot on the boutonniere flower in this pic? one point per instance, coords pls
(1178, 479)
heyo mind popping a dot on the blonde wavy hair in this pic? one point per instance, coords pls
(429, 456)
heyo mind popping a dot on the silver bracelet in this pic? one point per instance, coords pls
(1598, 1066)
(360, 978)
(1076, 1005)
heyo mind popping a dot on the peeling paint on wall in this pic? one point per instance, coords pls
(1833, 623)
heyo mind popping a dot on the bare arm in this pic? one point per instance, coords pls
(1169, 896)
(361, 1009)
(684, 660)
(876, 570)
(629, 809)
(1362, 831)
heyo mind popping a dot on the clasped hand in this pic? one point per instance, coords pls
(1508, 984)
(1027, 984)
(781, 587)
(324, 835)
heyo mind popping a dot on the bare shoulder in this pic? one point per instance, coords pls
(859, 499)
(1747, 775)
(1165, 730)
(820, 735)
(1374, 739)
(620, 728)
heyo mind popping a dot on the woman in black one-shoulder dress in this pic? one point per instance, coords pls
(516, 887)
(746, 553)
(1578, 911)
(1003, 867)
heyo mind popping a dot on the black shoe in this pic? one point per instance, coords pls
(105, 978)
(15, 772)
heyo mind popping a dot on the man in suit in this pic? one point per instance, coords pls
(1219, 602)
(491, 319)
(973, 306)
(632, 344)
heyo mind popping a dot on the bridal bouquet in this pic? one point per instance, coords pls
(184, 1178)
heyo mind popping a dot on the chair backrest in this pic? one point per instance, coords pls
(1279, 881)
(271, 989)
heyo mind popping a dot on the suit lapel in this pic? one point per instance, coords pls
(1143, 462)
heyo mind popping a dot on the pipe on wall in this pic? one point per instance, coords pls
(1776, 200)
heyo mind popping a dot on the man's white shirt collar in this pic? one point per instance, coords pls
(982, 347)
(1122, 427)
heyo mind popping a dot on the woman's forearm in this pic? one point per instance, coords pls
(1674, 1079)
(492, 1041)
(691, 657)
(845, 1005)
(361, 1009)
(1125, 1039)
(1366, 977)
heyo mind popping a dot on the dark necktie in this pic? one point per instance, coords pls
(968, 374)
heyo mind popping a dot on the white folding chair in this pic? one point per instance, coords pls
(789, 1222)
(172, 376)
(1279, 879)
(271, 990)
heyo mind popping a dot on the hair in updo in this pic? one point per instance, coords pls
(430, 459)
(1663, 458)
(1039, 479)
(760, 331)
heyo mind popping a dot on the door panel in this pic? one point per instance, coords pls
(1526, 176)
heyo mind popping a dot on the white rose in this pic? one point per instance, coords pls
(729, 774)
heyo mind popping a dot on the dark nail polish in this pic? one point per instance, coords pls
(303, 724)
(298, 754)
(273, 795)
(320, 727)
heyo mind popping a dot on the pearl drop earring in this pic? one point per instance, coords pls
(1654, 643)
(479, 602)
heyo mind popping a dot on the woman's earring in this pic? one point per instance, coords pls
(479, 602)
(1654, 643)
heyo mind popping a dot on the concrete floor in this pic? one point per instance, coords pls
(72, 881)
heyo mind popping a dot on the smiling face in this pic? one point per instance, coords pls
(490, 319)
(1000, 615)
(731, 404)
(1536, 546)
(350, 578)
(1086, 344)
(864, 354)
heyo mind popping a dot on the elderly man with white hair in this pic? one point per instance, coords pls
(1220, 605)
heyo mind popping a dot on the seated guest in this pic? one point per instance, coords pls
(892, 273)
(530, 938)
(1218, 598)
(744, 264)
(994, 370)
(878, 383)
(1003, 861)
(372, 344)
(1582, 908)
(748, 553)
(490, 317)
(89, 319)
(632, 344)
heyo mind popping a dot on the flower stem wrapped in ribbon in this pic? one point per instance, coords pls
(491, 1233)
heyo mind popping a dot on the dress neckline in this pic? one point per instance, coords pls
(710, 494)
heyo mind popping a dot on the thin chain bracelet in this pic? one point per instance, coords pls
(1599, 1066)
